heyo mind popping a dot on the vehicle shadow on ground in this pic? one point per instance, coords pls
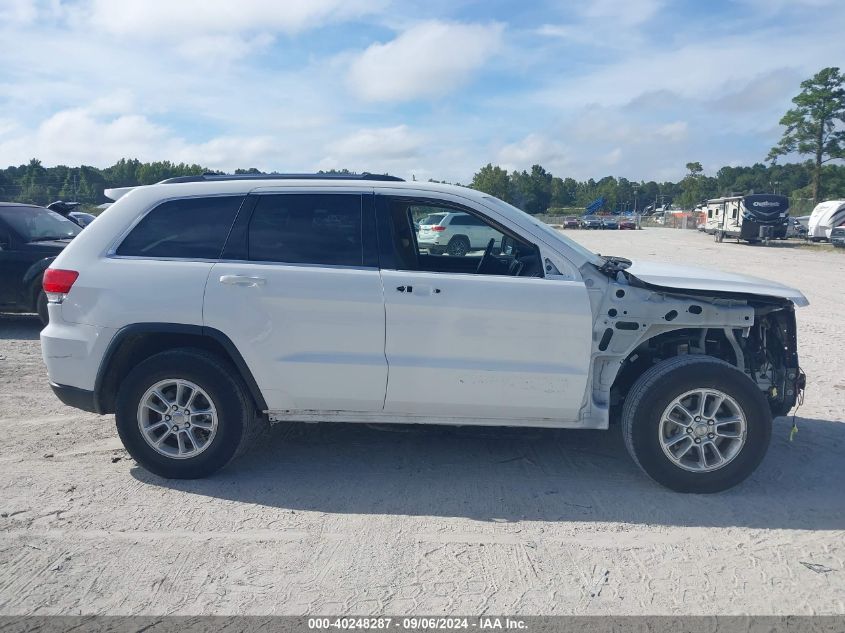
(505, 475)
(20, 327)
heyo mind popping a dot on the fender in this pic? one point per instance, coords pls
(217, 336)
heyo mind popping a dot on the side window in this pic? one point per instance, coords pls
(191, 228)
(458, 244)
(307, 229)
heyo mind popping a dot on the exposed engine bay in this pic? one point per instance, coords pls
(641, 324)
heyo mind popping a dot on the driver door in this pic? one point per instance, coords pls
(461, 344)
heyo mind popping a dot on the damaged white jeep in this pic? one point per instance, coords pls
(202, 308)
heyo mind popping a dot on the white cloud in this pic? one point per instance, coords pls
(391, 142)
(532, 150)
(674, 132)
(624, 18)
(87, 136)
(17, 11)
(623, 12)
(169, 18)
(613, 157)
(215, 50)
(427, 60)
(394, 150)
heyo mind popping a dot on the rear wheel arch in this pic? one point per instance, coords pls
(135, 343)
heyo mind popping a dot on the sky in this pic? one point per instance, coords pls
(430, 89)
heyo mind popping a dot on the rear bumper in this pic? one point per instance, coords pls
(75, 397)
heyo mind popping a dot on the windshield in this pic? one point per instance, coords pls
(36, 223)
(553, 233)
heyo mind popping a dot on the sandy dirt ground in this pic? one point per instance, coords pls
(339, 519)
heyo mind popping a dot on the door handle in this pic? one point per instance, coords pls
(421, 290)
(242, 280)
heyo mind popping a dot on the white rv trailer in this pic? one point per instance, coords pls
(716, 209)
(742, 217)
(825, 217)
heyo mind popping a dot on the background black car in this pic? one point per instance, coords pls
(30, 238)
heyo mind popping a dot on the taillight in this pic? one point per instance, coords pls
(438, 228)
(58, 282)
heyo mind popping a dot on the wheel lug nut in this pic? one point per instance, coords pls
(167, 418)
(697, 441)
(711, 435)
(689, 430)
(710, 422)
(187, 412)
(174, 407)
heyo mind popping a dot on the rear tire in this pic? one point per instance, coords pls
(650, 434)
(458, 246)
(235, 420)
(41, 308)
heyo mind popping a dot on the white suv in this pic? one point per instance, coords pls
(200, 309)
(455, 233)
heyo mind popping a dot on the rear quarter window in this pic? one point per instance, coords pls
(193, 228)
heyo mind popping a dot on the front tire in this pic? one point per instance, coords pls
(184, 414)
(696, 424)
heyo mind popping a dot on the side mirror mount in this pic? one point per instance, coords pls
(508, 244)
(5, 242)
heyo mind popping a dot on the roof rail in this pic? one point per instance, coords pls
(332, 176)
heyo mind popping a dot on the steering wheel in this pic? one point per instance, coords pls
(488, 253)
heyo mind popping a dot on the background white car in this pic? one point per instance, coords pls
(455, 233)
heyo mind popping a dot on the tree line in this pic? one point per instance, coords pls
(536, 190)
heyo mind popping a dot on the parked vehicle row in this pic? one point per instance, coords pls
(760, 217)
(202, 308)
(598, 222)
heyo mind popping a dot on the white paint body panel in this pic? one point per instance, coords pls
(486, 346)
(313, 336)
(694, 278)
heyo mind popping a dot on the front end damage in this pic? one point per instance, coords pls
(640, 324)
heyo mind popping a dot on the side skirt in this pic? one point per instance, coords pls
(369, 417)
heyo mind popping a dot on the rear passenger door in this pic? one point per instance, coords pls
(299, 293)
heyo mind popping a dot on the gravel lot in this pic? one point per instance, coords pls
(348, 519)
